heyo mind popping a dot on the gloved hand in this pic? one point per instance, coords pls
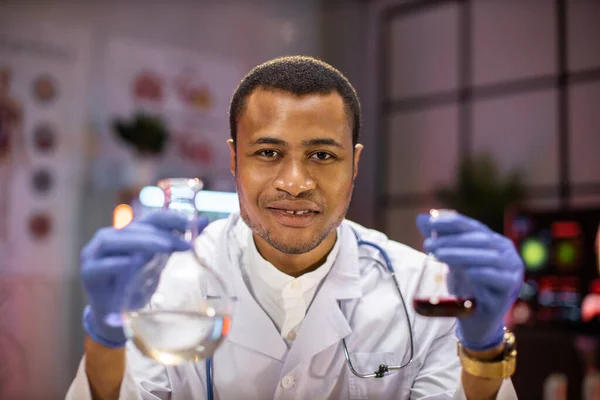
(111, 260)
(483, 264)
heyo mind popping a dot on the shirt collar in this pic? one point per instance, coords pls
(269, 277)
(344, 274)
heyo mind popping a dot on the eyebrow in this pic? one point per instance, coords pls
(305, 143)
(269, 140)
(322, 142)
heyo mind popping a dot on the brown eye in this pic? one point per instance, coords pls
(322, 156)
(268, 153)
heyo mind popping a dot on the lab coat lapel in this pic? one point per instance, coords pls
(250, 327)
(325, 324)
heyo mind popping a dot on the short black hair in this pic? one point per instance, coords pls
(299, 75)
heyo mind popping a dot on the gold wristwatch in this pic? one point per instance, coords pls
(503, 367)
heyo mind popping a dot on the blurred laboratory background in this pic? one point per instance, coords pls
(490, 107)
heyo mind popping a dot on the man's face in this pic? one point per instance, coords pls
(294, 167)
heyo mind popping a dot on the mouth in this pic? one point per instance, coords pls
(292, 212)
(293, 218)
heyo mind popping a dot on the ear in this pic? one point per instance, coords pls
(357, 150)
(231, 144)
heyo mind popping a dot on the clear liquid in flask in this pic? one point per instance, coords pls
(173, 337)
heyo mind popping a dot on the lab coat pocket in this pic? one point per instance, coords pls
(395, 385)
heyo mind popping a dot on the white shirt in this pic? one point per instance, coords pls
(284, 298)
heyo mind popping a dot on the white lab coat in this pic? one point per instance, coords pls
(254, 361)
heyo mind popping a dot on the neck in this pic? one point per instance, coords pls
(296, 264)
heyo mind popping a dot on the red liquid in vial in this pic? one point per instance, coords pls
(444, 307)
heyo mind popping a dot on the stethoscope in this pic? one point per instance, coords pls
(383, 368)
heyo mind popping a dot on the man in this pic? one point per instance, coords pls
(301, 280)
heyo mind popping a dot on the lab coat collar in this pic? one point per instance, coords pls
(251, 327)
(344, 277)
(325, 324)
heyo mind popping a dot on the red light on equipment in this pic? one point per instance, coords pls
(566, 229)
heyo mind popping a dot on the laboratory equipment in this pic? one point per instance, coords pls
(432, 296)
(191, 317)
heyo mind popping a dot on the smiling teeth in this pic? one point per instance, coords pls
(298, 212)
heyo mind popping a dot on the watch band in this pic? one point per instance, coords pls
(503, 368)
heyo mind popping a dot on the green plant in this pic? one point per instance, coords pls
(481, 192)
(147, 134)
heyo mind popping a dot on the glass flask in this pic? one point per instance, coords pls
(435, 296)
(191, 315)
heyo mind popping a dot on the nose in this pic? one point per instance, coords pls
(294, 178)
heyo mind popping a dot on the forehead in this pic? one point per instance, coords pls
(292, 117)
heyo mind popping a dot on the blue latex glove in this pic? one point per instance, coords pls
(113, 257)
(482, 264)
